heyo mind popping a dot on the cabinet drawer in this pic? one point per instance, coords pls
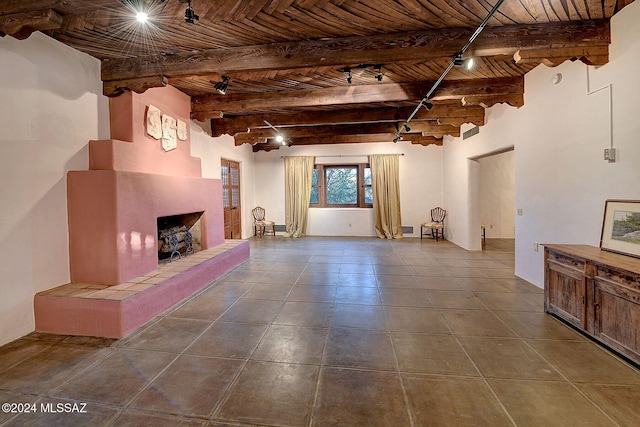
(558, 258)
(611, 287)
(566, 269)
(620, 278)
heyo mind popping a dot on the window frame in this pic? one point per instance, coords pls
(322, 187)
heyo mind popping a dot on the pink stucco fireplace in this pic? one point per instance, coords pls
(115, 209)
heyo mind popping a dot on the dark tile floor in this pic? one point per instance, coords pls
(334, 332)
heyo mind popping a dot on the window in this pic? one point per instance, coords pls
(341, 186)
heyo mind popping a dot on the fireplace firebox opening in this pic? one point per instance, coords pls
(179, 236)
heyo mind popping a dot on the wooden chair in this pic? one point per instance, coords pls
(260, 225)
(436, 225)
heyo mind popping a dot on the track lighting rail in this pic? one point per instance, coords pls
(454, 61)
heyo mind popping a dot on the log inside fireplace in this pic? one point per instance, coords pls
(174, 232)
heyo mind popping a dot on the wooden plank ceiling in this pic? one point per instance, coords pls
(285, 59)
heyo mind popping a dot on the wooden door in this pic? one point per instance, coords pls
(230, 175)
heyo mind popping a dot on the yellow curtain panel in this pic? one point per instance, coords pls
(385, 182)
(298, 172)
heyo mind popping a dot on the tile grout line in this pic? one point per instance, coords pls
(475, 366)
(555, 368)
(558, 371)
(166, 315)
(405, 396)
(316, 391)
(213, 414)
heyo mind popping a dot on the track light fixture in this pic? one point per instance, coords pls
(465, 63)
(190, 16)
(427, 105)
(222, 85)
(377, 69)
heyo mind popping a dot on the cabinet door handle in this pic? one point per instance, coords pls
(596, 306)
(582, 299)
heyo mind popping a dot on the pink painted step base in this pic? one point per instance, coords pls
(117, 311)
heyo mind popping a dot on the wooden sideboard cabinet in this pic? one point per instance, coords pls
(596, 291)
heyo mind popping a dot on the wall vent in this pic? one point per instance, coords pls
(473, 131)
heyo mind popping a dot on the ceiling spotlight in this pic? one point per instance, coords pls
(142, 17)
(222, 85)
(279, 138)
(465, 63)
(427, 105)
(349, 78)
(468, 63)
(407, 128)
(378, 71)
(190, 16)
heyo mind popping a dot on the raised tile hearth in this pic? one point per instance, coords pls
(117, 310)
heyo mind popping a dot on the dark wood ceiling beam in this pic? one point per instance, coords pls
(422, 140)
(383, 48)
(427, 128)
(446, 113)
(249, 139)
(344, 139)
(422, 128)
(348, 139)
(487, 101)
(594, 55)
(207, 107)
(22, 25)
(134, 85)
(10, 7)
(459, 121)
(328, 130)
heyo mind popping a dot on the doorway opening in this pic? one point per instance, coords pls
(495, 198)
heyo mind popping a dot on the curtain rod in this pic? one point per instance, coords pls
(349, 155)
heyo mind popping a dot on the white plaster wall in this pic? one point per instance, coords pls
(52, 105)
(420, 186)
(559, 136)
(497, 195)
(211, 150)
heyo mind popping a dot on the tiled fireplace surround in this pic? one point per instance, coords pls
(116, 284)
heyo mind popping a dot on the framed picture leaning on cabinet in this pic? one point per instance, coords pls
(621, 227)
